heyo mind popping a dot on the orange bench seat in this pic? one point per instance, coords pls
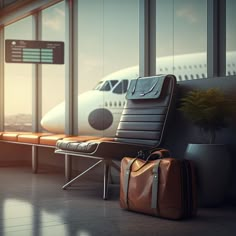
(37, 139)
(31, 138)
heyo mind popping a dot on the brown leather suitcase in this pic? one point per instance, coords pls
(164, 187)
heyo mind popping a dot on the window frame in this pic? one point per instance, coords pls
(216, 49)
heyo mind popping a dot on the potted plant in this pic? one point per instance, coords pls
(209, 110)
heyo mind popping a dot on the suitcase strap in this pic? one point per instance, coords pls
(155, 185)
(126, 179)
(154, 182)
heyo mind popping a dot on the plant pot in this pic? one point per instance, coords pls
(213, 169)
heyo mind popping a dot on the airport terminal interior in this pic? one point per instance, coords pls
(65, 68)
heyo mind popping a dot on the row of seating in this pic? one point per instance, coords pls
(36, 140)
(141, 127)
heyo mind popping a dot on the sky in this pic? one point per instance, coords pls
(108, 40)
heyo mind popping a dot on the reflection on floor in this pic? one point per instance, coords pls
(35, 205)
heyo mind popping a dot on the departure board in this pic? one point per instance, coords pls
(32, 51)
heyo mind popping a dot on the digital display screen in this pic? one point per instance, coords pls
(32, 51)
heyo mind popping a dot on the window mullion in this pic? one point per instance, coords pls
(1, 79)
(37, 78)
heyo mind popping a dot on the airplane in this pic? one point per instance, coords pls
(99, 109)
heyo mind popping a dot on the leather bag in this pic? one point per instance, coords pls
(164, 187)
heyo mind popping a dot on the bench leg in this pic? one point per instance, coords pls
(107, 167)
(68, 167)
(34, 159)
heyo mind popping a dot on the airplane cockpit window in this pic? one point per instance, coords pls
(105, 85)
(113, 83)
(121, 87)
(98, 86)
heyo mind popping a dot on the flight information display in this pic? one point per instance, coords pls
(32, 51)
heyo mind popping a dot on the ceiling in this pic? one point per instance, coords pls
(4, 3)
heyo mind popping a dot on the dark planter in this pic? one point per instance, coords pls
(213, 168)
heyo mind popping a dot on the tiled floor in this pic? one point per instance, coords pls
(35, 205)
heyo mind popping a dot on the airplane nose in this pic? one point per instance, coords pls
(100, 119)
(54, 120)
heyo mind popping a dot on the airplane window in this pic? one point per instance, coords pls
(121, 87)
(119, 103)
(125, 85)
(180, 77)
(161, 69)
(106, 86)
(234, 72)
(200, 65)
(186, 77)
(179, 67)
(192, 77)
(197, 75)
(229, 73)
(195, 66)
(98, 86)
(190, 67)
(233, 64)
(229, 65)
(166, 69)
(113, 83)
(118, 88)
(203, 76)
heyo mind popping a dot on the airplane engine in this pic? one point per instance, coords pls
(100, 119)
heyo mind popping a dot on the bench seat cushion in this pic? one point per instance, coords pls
(11, 136)
(31, 138)
(51, 139)
(88, 146)
(81, 138)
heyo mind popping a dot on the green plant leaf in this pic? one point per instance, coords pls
(208, 109)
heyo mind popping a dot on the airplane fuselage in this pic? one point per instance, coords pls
(99, 110)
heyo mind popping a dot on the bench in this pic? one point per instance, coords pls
(36, 140)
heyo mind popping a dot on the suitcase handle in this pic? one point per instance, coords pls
(153, 154)
(160, 152)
